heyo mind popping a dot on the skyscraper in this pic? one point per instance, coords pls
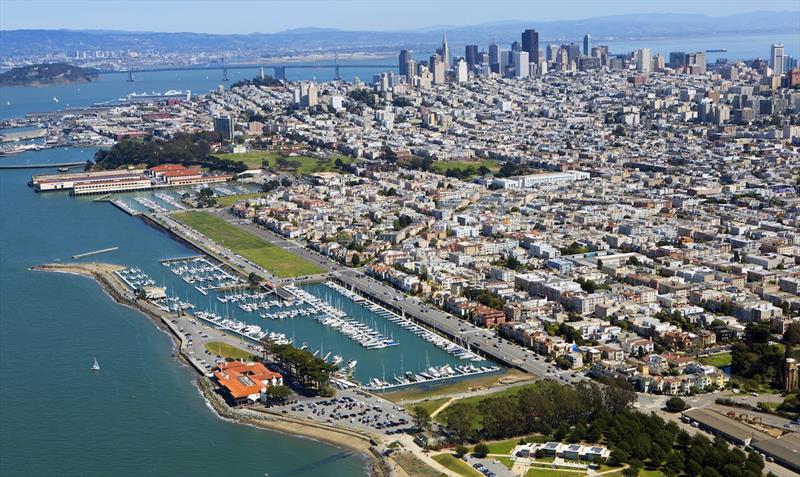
(530, 44)
(444, 52)
(494, 57)
(405, 55)
(461, 71)
(644, 60)
(471, 55)
(224, 126)
(437, 69)
(587, 44)
(521, 64)
(677, 59)
(776, 59)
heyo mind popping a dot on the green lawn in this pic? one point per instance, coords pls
(227, 351)
(276, 260)
(304, 164)
(442, 166)
(650, 473)
(429, 404)
(475, 400)
(536, 472)
(229, 200)
(457, 465)
(718, 360)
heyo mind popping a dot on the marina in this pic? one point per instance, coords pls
(202, 274)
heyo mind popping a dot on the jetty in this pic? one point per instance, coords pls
(95, 252)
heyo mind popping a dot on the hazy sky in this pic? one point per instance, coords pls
(243, 16)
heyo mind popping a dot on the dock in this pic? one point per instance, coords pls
(95, 252)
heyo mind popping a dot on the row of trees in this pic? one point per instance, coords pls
(184, 148)
(758, 359)
(484, 297)
(589, 412)
(312, 372)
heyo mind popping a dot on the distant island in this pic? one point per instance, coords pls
(47, 74)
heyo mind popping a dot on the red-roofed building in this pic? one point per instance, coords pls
(246, 383)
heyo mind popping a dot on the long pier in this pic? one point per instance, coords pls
(95, 252)
(41, 166)
(248, 66)
(23, 135)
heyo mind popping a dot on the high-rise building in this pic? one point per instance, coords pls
(405, 55)
(437, 69)
(776, 59)
(280, 73)
(224, 126)
(444, 52)
(677, 59)
(411, 70)
(552, 52)
(516, 46)
(494, 57)
(644, 60)
(587, 44)
(471, 55)
(573, 51)
(462, 72)
(521, 61)
(696, 63)
(530, 44)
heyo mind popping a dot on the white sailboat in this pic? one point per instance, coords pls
(95, 365)
(55, 100)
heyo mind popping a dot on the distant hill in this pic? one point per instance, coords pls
(620, 27)
(46, 74)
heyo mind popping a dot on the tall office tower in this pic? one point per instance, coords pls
(696, 63)
(483, 58)
(471, 55)
(516, 46)
(280, 73)
(261, 73)
(658, 62)
(587, 44)
(494, 57)
(311, 96)
(644, 60)
(574, 51)
(562, 59)
(445, 53)
(776, 59)
(521, 60)
(411, 70)
(224, 126)
(677, 59)
(461, 71)
(552, 52)
(405, 55)
(505, 62)
(437, 69)
(530, 44)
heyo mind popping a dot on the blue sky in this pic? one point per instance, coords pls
(243, 16)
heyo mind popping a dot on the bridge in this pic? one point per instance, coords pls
(250, 66)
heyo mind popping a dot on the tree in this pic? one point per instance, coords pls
(459, 418)
(481, 450)
(631, 471)
(792, 335)
(278, 393)
(675, 404)
(422, 418)
(254, 278)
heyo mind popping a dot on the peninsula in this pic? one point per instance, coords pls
(47, 74)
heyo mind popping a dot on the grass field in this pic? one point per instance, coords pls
(276, 260)
(441, 166)
(413, 466)
(417, 392)
(227, 351)
(718, 360)
(457, 465)
(475, 400)
(229, 200)
(505, 446)
(536, 472)
(306, 164)
(429, 404)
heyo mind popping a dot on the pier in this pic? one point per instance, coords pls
(42, 166)
(23, 135)
(95, 252)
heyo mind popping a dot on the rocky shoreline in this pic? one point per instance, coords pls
(362, 444)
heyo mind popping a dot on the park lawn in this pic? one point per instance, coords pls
(456, 465)
(276, 260)
(414, 393)
(473, 401)
(307, 164)
(719, 360)
(227, 351)
(429, 404)
(229, 200)
(538, 472)
(507, 445)
(442, 166)
(413, 466)
(650, 473)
